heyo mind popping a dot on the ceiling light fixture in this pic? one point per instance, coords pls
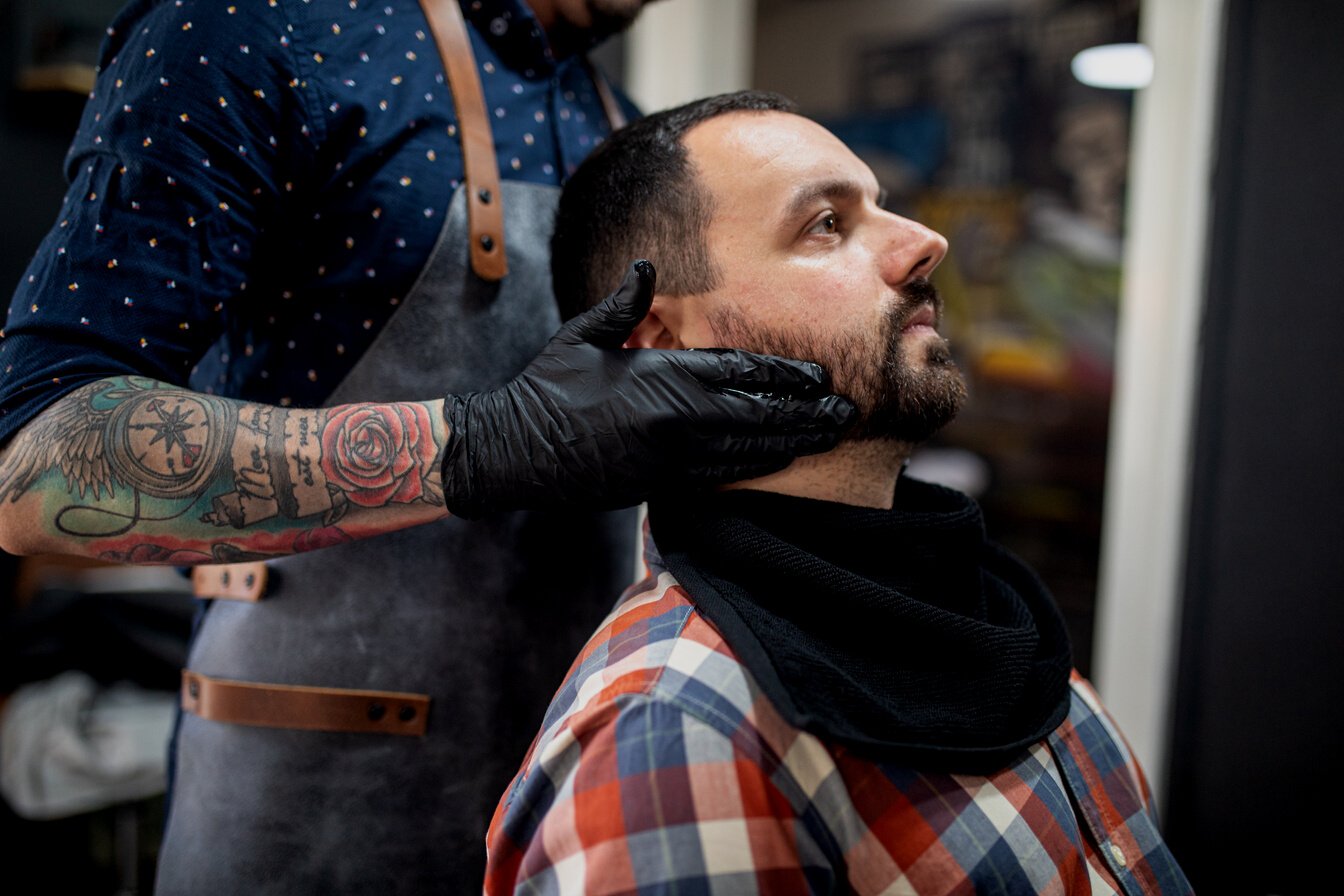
(1114, 66)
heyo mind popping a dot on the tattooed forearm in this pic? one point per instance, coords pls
(302, 463)
(132, 462)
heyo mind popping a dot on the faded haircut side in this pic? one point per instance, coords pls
(637, 196)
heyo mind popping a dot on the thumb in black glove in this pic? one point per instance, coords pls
(590, 424)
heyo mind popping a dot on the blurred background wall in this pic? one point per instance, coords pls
(1142, 289)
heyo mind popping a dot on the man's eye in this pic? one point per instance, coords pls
(826, 224)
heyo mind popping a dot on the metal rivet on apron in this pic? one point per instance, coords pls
(406, 713)
(250, 580)
(487, 242)
(224, 577)
(485, 196)
(376, 711)
(194, 689)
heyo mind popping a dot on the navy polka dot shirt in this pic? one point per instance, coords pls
(255, 185)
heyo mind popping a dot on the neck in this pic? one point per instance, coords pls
(545, 11)
(566, 23)
(862, 473)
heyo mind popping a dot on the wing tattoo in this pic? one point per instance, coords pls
(69, 435)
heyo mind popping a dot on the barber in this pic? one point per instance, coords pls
(288, 223)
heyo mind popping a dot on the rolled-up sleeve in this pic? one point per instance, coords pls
(179, 158)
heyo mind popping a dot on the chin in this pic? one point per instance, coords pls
(918, 404)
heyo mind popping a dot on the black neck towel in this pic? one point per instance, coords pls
(904, 634)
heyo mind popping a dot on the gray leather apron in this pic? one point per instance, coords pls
(484, 617)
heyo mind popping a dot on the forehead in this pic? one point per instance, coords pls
(759, 160)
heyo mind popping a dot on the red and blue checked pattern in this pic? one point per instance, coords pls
(662, 768)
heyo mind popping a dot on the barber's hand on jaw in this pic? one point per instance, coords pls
(590, 424)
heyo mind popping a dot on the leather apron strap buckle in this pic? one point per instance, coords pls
(306, 708)
(231, 581)
(481, 169)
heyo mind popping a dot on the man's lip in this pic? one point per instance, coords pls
(923, 316)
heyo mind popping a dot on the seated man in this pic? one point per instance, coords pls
(830, 681)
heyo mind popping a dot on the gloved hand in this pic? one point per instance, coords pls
(589, 424)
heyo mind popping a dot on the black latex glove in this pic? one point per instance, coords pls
(590, 424)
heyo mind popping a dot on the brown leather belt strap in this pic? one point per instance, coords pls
(607, 97)
(312, 709)
(485, 211)
(232, 581)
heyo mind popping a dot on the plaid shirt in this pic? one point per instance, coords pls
(662, 768)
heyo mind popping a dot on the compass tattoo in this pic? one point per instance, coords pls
(129, 451)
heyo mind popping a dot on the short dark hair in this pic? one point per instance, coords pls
(637, 196)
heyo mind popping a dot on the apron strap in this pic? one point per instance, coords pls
(230, 581)
(312, 709)
(605, 95)
(485, 213)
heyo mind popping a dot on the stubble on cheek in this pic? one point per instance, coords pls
(905, 388)
(843, 363)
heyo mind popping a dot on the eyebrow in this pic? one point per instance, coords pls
(833, 190)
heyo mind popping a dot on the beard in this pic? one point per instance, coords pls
(896, 399)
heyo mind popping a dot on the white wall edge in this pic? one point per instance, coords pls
(681, 50)
(1157, 363)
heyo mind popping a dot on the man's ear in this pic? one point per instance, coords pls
(659, 327)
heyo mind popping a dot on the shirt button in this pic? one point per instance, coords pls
(1119, 855)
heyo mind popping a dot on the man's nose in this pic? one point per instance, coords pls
(913, 250)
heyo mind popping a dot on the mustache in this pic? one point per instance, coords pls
(921, 291)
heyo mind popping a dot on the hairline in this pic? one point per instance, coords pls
(671, 210)
(707, 202)
(834, 188)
